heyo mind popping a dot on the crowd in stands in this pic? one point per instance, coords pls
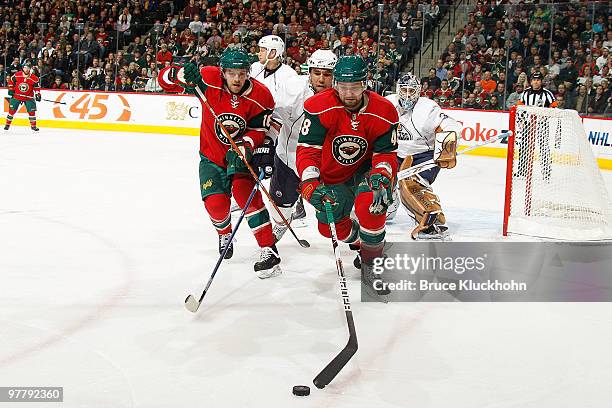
(121, 45)
(490, 61)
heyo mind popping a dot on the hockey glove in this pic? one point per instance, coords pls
(380, 184)
(316, 193)
(235, 164)
(192, 76)
(38, 97)
(263, 158)
(445, 149)
(11, 92)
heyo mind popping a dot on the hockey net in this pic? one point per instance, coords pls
(554, 188)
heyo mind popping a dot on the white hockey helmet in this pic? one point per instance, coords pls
(408, 91)
(322, 59)
(272, 42)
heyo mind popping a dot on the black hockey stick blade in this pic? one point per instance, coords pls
(192, 304)
(304, 243)
(337, 364)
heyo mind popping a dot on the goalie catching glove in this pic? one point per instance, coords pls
(235, 164)
(445, 149)
(380, 184)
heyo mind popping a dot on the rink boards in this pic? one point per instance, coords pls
(180, 115)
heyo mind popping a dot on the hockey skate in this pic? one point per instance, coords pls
(7, 127)
(435, 232)
(278, 231)
(34, 129)
(372, 282)
(224, 240)
(268, 264)
(299, 214)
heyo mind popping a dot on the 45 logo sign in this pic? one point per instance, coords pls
(93, 107)
(233, 123)
(348, 149)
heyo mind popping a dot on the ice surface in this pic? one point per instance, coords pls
(102, 235)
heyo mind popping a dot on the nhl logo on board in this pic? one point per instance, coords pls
(349, 149)
(234, 124)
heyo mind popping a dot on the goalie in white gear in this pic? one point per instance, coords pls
(289, 112)
(424, 133)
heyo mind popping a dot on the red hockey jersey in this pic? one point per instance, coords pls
(338, 142)
(246, 116)
(23, 86)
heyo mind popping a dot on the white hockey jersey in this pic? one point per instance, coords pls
(416, 132)
(275, 79)
(289, 112)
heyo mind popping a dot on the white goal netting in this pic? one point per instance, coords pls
(555, 188)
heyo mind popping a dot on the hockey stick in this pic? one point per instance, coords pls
(333, 368)
(426, 165)
(8, 98)
(57, 102)
(303, 243)
(190, 303)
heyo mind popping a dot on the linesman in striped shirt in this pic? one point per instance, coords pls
(535, 95)
(536, 129)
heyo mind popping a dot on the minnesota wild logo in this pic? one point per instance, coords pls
(233, 123)
(349, 149)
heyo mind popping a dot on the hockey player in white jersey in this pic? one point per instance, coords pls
(424, 133)
(289, 112)
(270, 69)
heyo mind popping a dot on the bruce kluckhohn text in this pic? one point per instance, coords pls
(461, 285)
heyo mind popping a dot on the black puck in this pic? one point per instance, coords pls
(301, 390)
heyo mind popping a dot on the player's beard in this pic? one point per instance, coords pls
(352, 103)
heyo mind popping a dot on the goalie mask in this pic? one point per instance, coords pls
(408, 91)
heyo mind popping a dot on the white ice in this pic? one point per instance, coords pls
(102, 235)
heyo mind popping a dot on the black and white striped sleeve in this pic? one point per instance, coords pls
(549, 98)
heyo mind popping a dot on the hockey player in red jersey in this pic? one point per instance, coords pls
(244, 106)
(23, 88)
(346, 155)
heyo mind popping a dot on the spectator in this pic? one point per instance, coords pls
(580, 101)
(488, 85)
(58, 84)
(433, 81)
(441, 72)
(515, 96)
(164, 56)
(108, 85)
(598, 104)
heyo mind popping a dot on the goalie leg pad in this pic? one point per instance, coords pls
(420, 200)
